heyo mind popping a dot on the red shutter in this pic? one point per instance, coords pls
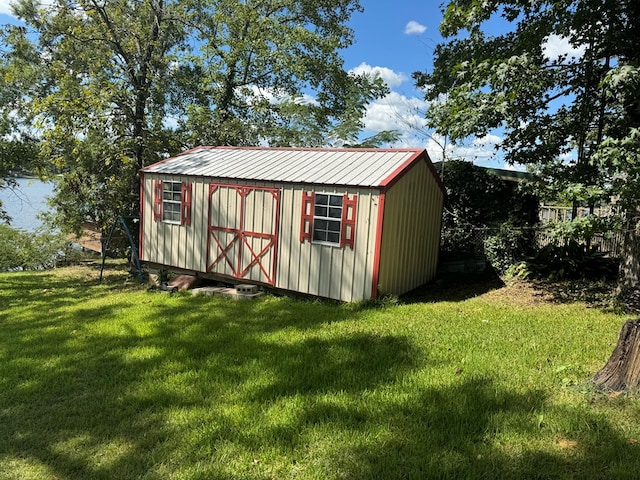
(185, 210)
(306, 222)
(348, 234)
(157, 200)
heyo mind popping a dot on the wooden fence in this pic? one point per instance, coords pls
(609, 245)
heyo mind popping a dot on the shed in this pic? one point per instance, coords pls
(346, 224)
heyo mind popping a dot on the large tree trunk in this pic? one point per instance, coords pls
(628, 291)
(622, 371)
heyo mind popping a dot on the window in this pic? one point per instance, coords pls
(328, 218)
(172, 202)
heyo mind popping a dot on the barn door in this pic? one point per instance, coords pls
(242, 239)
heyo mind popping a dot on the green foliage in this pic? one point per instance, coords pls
(114, 86)
(573, 119)
(571, 260)
(510, 244)
(583, 229)
(478, 202)
(21, 250)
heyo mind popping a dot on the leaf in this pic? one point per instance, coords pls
(566, 444)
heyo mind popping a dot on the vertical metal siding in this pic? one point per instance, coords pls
(175, 245)
(332, 272)
(412, 221)
(323, 270)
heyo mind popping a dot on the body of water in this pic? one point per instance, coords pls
(26, 202)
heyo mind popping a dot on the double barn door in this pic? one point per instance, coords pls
(242, 240)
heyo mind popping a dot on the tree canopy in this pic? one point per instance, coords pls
(573, 117)
(109, 87)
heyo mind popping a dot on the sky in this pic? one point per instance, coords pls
(394, 39)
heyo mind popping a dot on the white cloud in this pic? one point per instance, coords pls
(556, 46)
(405, 113)
(396, 111)
(479, 151)
(488, 140)
(5, 7)
(414, 28)
(391, 78)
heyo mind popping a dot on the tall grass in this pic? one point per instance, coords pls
(109, 381)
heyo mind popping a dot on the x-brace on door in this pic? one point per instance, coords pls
(242, 239)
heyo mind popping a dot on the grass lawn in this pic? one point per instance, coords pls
(110, 381)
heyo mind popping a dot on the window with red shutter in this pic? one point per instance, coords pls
(185, 207)
(157, 200)
(328, 219)
(348, 234)
(172, 202)
(306, 222)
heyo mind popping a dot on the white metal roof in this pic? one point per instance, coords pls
(347, 167)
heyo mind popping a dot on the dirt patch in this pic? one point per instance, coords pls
(520, 293)
(595, 294)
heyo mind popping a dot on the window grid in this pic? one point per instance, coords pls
(327, 218)
(171, 202)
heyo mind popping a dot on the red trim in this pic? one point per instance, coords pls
(378, 246)
(241, 235)
(157, 200)
(399, 172)
(185, 207)
(403, 169)
(276, 196)
(306, 221)
(348, 233)
(141, 224)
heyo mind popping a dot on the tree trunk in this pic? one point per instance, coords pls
(628, 290)
(622, 371)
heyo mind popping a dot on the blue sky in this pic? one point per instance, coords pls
(397, 38)
(393, 39)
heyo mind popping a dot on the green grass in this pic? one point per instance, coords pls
(109, 381)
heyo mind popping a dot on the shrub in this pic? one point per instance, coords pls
(571, 261)
(22, 250)
(509, 246)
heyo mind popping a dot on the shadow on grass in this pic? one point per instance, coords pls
(455, 432)
(86, 394)
(456, 287)
(200, 388)
(596, 293)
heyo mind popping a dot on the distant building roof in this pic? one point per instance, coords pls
(345, 167)
(510, 175)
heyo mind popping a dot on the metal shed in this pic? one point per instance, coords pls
(346, 224)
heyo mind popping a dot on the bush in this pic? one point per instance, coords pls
(509, 246)
(570, 261)
(22, 250)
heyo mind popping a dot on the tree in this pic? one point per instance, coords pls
(122, 84)
(572, 118)
(622, 370)
(486, 214)
(18, 147)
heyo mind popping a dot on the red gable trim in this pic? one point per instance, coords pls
(403, 169)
